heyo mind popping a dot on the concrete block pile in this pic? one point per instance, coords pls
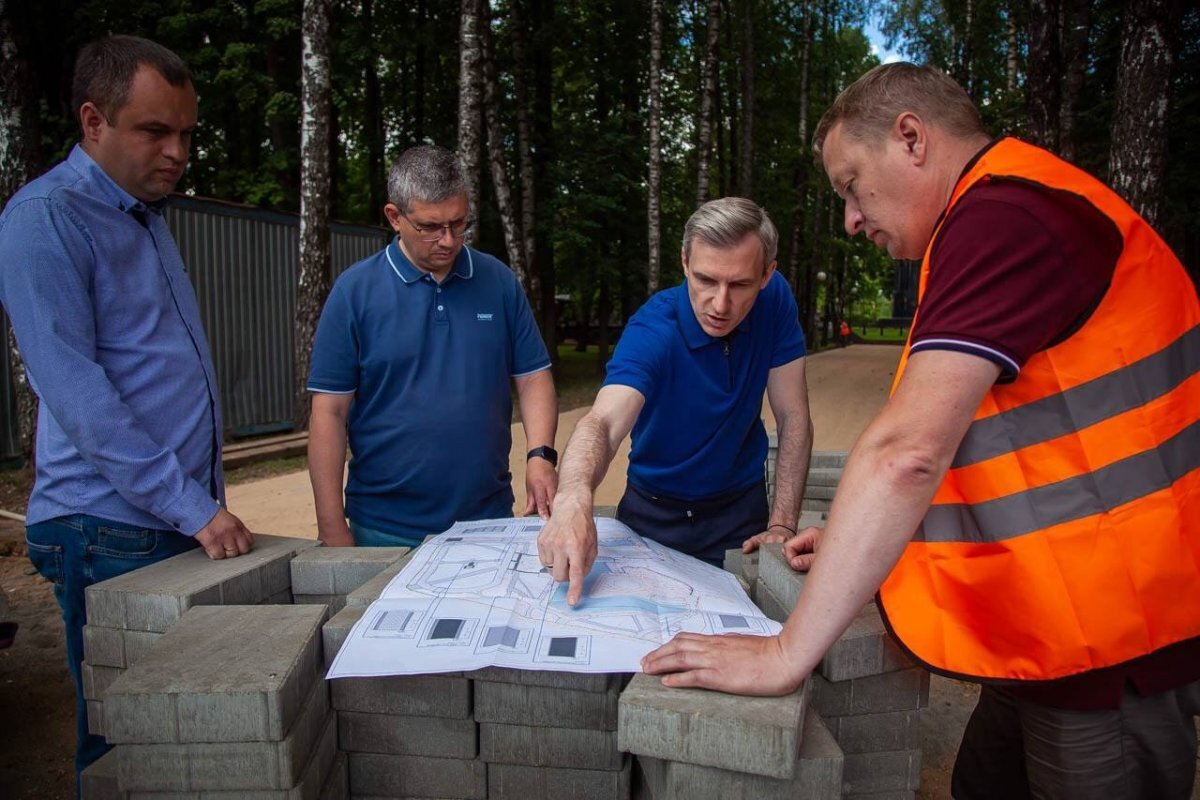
(129, 614)
(698, 744)
(489, 733)
(230, 703)
(326, 575)
(824, 472)
(867, 691)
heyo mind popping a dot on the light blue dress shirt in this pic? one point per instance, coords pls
(107, 322)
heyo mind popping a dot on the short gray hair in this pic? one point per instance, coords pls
(428, 173)
(724, 223)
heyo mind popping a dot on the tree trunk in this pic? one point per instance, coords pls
(20, 160)
(1137, 160)
(468, 98)
(653, 209)
(966, 61)
(524, 153)
(373, 133)
(1011, 54)
(542, 20)
(313, 281)
(1077, 21)
(420, 71)
(1044, 73)
(513, 236)
(746, 139)
(708, 101)
(799, 243)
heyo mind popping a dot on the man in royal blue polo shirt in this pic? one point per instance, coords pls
(688, 377)
(411, 364)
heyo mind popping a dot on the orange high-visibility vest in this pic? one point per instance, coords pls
(1066, 535)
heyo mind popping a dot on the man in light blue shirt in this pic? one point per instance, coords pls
(129, 430)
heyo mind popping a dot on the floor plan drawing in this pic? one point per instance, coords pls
(477, 596)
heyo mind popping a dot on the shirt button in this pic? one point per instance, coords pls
(441, 308)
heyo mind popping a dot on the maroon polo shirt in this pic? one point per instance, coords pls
(1018, 268)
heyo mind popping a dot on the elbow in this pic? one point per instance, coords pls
(906, 462)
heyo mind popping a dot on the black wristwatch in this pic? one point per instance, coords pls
(546, 452)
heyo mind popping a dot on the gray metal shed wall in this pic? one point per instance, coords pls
(243, 264)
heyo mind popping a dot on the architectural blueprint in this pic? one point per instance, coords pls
(478, 596)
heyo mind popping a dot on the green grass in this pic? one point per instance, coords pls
(889, 335)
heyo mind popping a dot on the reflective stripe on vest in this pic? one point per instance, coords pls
(1066, 535)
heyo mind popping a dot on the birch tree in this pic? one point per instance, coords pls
(524, 151)
(708, 101)
(653, 200)
(1137, 159)
(469, 58)
(746, 139)
(313, 281)
(513, 237)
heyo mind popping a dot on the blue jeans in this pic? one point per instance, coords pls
(74, 552)
(372, 537)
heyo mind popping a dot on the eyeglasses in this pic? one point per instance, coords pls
(434, 233)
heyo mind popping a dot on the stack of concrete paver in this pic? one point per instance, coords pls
(127, 615)
(490, 733)
(231, 703)
(326, 575)
(869, 694)
(824, 472)
(705, 745)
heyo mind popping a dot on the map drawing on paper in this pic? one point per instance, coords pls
(478, 596)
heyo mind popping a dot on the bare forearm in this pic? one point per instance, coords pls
(539, 408)
(586, 460)
(795, 434)
(326, 467)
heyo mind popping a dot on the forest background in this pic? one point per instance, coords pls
(591, 129)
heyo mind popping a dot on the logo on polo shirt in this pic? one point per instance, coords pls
(484, 317)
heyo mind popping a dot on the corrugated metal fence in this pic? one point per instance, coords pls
(243, 262)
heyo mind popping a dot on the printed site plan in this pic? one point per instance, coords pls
(478, 596)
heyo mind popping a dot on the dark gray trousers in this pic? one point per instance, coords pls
(1014, 748)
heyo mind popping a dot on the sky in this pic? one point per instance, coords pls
(877, 43)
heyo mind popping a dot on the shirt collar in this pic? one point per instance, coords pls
(464, 265)
(693, 335)
(109, 190)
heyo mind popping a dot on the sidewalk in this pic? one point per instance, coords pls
(847, 387)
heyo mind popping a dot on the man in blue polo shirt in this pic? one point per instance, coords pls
(688, 377)
(412, 361)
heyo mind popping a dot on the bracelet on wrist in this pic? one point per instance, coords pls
(781, 525)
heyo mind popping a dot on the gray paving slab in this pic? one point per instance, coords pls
(784, 582)
(154, 597)
(227, 766)
(605, 511)
(812, 505)
(882, 772)
(95, 712)
(99, 781)
(743, 564)
(340, 570)
(513, 704)
(824, 476)
(281, 598)
(409, 695)
(103, 647)
(819, 492)
(875, 733)
(337, 784)
(903, 690)
(898, 794)
(771, 606)
(400, 735)
(337, 628)
(223, 674)
(370, 590)
(318, 773)
(758, 735)
(816, 776)
(573, 681)
(531, 745)
(96, 680)
(417, 776)
(521, 782)
(827, 459)
(335, 602)
(864, 649)
(809, 519)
